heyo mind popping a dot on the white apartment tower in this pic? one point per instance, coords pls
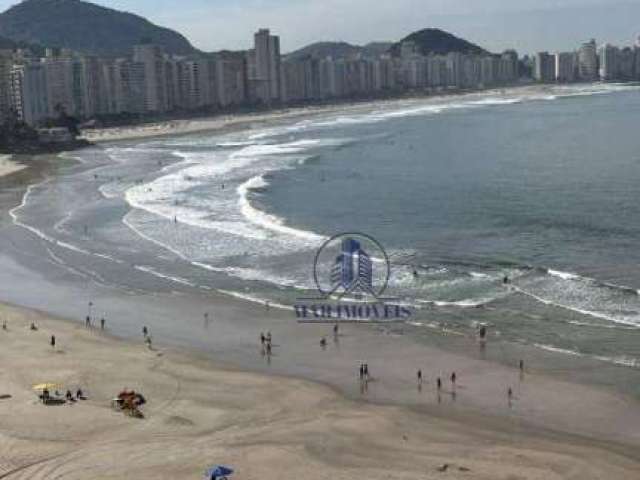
(566, 66)
(609, 62)
(6, 64)
(267, 66)
(29, 93)
(588, 61)
(152, 58)
(60, 83)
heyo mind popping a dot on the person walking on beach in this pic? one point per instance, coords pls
(53, 341)
(439, 383)
(262, 338)
(87, 321)
(483, 332)
(361, 371)
(145, 331)
(269, 337)
(365, 369)
(453, 380)
(102, 322)
(521, 366)
(268, 348)
(419, 377)
(4, 325)
(335, 330)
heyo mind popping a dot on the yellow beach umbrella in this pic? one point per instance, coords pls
(46, 386)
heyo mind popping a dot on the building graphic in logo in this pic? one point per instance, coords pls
(351, 273)
(353, 270)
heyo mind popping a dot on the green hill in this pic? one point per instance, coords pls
(85, 27)
(438, 42)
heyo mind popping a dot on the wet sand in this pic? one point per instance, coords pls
(266, 427)
(8, 166)
(31, 277)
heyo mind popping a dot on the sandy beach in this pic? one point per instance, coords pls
(8, 166)
(180, 127)
(213, 397)
(266, 427)
(240, 120)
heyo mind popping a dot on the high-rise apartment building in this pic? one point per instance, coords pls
(544, 69)
(566, 66)
(62, 85)
(588, 61)
(6, 66)
(608, 57)
(29, 93)
(626, 64)
(231, 79)
(267, 66)
(155, 85)
(130, 86)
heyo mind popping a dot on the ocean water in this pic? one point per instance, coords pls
(539, 184)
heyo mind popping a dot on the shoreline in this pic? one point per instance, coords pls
(241, 120)
(8, 166)
(216, 122)
(266, 426)
(400, 379)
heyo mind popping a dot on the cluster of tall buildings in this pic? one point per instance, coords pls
(152, 82)
(589, 63)
(147, 82)
(325, 78)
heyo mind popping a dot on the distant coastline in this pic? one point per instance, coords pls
(185, 125)
(182, 125)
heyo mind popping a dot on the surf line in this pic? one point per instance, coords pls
(572, 309)
(13, 213)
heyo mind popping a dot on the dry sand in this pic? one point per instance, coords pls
(265, 427)
(179, 127)
(8, 166)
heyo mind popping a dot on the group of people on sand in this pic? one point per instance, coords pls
(87, 322)
(364, 372)
(47, 397)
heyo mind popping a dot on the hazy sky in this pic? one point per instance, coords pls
(527, 25)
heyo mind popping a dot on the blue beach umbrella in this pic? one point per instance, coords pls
(218, 471)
